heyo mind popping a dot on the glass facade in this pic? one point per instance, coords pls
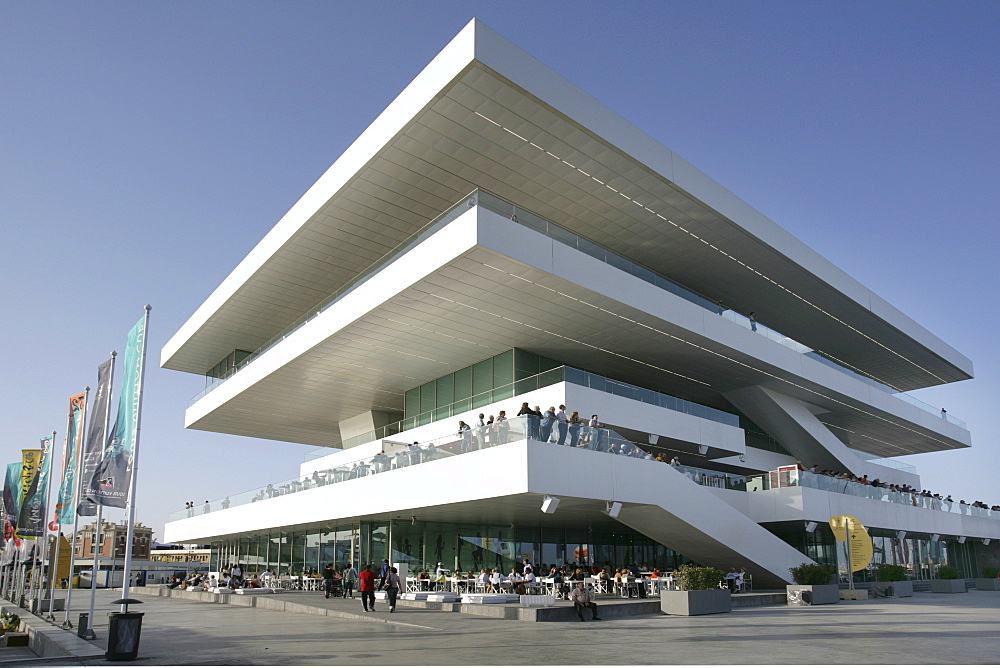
(229, 365)
(494, 379)
(423, 544)
(917, 552)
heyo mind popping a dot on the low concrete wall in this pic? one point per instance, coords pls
(48, 641)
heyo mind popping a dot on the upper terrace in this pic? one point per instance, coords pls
(482, 283)
(484, 113)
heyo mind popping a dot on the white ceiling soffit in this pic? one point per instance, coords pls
(510, 125)
(483, 303)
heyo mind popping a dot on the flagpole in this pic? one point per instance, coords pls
(99, 527)
(54, 569)
(76, 504)
(130, 530)
(43, 539)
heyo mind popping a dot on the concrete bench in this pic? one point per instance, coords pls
(537, 601)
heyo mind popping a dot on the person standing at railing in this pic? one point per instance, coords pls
(545, 426)
(531, 418)
(481, 431)
(562, 424)
(597, 434)
(574, 428)
(502, 427)
(466, 433)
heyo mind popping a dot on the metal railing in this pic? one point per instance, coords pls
(400, 455)
(529, 384)
(791, 477)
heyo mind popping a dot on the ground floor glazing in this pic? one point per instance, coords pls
(423, 544)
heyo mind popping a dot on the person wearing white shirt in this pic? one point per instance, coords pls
(562, 424)
(496, 577)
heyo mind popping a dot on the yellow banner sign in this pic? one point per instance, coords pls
(849, 528)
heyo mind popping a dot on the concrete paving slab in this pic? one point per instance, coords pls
(925, 629)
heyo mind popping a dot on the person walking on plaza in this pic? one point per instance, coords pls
(349, 575)
(392, 588)
(328, 579)
(383, 573)
(581, 599)
(367, 578)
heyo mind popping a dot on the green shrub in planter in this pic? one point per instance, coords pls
(9, 621)
(698, 578)
(948, 573)
(891, 572)
(990, 572)
(812, 574)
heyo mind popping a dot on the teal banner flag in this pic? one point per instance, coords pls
(66, 503)
(110, 483)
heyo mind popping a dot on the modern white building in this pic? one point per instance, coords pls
(497, 236)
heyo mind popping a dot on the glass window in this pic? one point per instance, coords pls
(463, 383)
(544, 364)
(482, 376)
(503, 369)
(525, 364)
(411, 404)
(428, 396)
(446, 389)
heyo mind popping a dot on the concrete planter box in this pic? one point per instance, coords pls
(900, 588)
(948, 586)
(689, 603)
(853, 594)
(815, 594)
(15, 639)
(987, 584)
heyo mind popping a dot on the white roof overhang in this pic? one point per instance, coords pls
(484, 284)
(486, 114)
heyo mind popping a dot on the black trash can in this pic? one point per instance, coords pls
(83, 625)
(123, 636)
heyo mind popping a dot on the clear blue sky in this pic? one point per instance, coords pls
(145, 148)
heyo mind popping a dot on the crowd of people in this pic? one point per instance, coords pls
(922, 498)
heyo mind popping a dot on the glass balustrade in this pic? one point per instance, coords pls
(401, 455)
(789, 477)
(551, 377)
(535, 222)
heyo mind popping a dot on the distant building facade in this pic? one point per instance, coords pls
(112, 541)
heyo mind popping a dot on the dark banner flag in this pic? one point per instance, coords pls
(31, 521)
(94, 447)
(109, 485)
(11, 502)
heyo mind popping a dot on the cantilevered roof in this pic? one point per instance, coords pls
(483, 284)
(486, 114)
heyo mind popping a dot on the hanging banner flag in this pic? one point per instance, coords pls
(11, 502)
(109, 485)
(31, 520)
(94, 447)
(66, 501)
(849, 528)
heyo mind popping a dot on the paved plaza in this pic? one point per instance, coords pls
(925, 629)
